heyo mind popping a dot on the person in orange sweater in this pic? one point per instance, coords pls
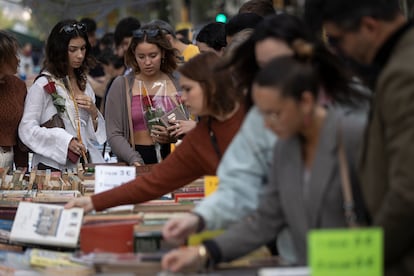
(12, 96)
(209, 94)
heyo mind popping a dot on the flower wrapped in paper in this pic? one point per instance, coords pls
(157, 101)
(152, 114)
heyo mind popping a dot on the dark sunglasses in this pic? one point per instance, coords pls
(334, 41)
(150, 33)
(70, 28)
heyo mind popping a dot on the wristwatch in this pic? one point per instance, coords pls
(203, 256)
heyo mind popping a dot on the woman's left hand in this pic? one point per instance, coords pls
(86, 102)
(160, 134)
(182, 258)
(181, 127)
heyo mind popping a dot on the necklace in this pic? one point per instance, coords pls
(77, 116)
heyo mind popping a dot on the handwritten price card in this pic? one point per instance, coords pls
(210, 184)
(344, 252)
(108, 177)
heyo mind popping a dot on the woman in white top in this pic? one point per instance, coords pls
(61, 123)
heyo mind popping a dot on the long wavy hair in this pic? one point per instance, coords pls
(57, 58)
(169, 60)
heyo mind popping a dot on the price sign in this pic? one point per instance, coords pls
(108, 177)
(210, 184)
(344, 252)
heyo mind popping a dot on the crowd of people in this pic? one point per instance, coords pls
(272, 105)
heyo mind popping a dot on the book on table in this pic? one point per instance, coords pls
(97, 232)
(46, 224)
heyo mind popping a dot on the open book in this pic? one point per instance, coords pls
(46, 224)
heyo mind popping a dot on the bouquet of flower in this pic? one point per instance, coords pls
(152, 114)
(157, 102)
(58, 101)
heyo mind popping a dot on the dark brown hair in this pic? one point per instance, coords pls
(169, 62)
(56, 58)
(220, 93)
(259, 7)
(8, 47)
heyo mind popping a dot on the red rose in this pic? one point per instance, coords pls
(147, 101)
(50, 87)
(178, 98)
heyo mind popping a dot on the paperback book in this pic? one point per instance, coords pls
(46, 224)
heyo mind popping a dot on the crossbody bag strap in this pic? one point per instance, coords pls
(128, 102)
(348, 198)
(213, 138)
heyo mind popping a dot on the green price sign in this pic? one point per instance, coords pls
(344, 252)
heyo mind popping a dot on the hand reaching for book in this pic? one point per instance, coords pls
(84, 202)
(185, 258)
(177, 229)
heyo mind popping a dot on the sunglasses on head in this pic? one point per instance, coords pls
(150, 33)
(70, 28)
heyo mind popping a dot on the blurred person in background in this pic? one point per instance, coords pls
(26, 65)
(376, 33)
(113, 67)
(62, 99)
(91, 30)
(259, 7)
(212, 38)
(123, 34)
(107, 42)
(96, 75)
(186, 51)
(241, 22)
(12, 97)
(183, 35)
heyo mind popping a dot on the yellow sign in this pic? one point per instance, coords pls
(211, 183)
(344, 252)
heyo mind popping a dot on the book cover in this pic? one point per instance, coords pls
(45, 258)
(47, 224)
(122, 263)
(113, 236)
(175, 114)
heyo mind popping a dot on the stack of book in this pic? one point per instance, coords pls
(193, 192)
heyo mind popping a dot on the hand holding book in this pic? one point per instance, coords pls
(178, 128)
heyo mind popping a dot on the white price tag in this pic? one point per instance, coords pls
(108, 177)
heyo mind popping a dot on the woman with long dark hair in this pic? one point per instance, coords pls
(61, 123)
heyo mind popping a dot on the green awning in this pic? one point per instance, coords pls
(24, 38)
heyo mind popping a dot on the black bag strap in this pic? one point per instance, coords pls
(49, 78)
(213, 138)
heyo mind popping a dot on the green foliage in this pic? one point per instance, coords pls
(5, 22)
